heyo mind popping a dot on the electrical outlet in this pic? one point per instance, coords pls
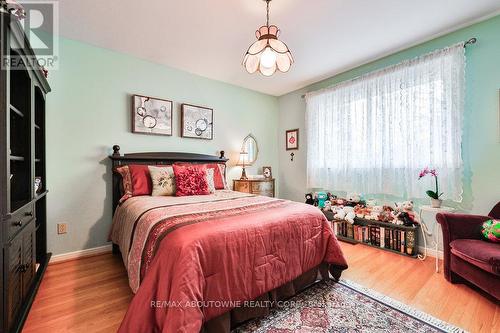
(62, 228)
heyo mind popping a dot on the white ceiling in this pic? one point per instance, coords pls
(210, 37)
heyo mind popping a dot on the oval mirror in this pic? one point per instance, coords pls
(250, 146)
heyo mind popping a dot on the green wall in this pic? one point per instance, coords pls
(481, 138)
(89, 110)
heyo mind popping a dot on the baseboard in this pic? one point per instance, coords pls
(431, 252)
(80, 254)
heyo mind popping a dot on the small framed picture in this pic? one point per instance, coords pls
(151, 115)
(292, 139)
(267, 172)
(197, 122)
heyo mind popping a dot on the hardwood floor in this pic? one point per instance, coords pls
(92, 294)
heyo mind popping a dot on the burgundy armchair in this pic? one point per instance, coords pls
(466, 256)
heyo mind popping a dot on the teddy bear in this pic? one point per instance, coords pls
(345, 213)
(328, 205)
(407, 208)
(353, 199)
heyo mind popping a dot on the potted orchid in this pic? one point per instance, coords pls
(434, 195)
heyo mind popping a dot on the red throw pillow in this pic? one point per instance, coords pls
(191, 179)
(135, 181)
(141, 180)
(219, 168)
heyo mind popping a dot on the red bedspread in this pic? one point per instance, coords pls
(200, 265)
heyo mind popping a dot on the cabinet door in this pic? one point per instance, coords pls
(29, 261)
(263, 188)
(14, 270)
(242, 186)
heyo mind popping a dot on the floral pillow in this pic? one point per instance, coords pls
(163, 180)
(126, 183)
(491, 230)
(210, 180)
(191, 179)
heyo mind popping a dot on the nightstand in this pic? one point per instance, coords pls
(255, 186)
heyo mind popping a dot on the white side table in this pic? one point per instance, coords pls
(425, 230)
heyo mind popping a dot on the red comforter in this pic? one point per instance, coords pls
(197, 266)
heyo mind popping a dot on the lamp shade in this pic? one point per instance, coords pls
(243, 160)
(268, 53)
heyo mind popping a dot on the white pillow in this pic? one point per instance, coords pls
(210, 180)
(163, 180)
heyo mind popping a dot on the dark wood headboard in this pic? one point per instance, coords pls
(159, 158)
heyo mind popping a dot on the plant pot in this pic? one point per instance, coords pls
(436, 203)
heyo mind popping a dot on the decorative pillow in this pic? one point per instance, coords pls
(219, 172)
(141, 180)
(491, 230)
(191, 179)
(126, 183)
(135, 181)
(221, 180)
(163, 180)
(210, 180)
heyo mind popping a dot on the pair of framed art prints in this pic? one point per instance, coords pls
(154, 116)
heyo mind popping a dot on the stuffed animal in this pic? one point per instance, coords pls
(345, 213)
(405, 219)
(375, 213)
(328, 205)
(322, 197)
(360, 211)
(371, 202)
(407, 208)
(386, 215)
(340, 202)
(353, 199)
(350, 215)
(309, 199)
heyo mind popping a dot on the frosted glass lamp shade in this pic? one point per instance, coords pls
(268, 53)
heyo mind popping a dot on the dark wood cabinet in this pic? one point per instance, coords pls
(23, 230)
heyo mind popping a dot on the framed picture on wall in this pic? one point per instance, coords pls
(151, 115)
(197, 122)
(292, 139)
(267, 172)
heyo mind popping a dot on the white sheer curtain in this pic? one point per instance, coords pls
(375, 133)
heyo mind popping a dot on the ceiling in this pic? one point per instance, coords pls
(210, 37)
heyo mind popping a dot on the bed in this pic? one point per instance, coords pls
(208, 263)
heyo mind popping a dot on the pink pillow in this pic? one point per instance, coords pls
(219, 172)
(191, 179)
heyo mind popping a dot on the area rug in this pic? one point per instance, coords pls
(344, 307)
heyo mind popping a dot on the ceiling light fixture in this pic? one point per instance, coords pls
(268, 53)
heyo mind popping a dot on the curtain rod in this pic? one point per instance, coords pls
(471, 41)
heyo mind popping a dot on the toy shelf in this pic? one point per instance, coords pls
(407, 236)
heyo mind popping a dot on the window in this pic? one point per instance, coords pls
(375, 133)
